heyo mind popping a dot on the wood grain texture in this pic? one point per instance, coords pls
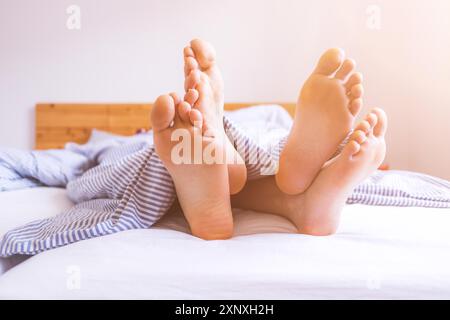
(57, 124)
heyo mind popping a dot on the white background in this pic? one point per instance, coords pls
(130, 51)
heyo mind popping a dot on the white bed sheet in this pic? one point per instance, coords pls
(22, 206)
(379, 252)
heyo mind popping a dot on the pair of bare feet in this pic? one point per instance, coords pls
(309, 188)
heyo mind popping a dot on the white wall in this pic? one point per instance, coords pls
(130, 51)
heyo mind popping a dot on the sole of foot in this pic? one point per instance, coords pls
(200, 66)
(202, 189)
(318, 209)
(329, 101)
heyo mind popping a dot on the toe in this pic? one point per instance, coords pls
(175, 97)
(330, 61)
(189, 64)
(372, 119)
(364, 126)
(355, 78)
(192, 79)
(344, 71)
(359, 136)
(380, 128)
(188, 52)
(355, 106)
(357, 91)
(189, 60)
(350, 149)
(184, 109)
(163, 112)
(204, 53)
(196, 118)
(191, 96)
(204, 91)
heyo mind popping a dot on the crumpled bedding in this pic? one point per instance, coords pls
(119, 183)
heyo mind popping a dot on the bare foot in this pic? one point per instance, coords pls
(328, 104)
(200, 66)
(202, 187)
(317, 211)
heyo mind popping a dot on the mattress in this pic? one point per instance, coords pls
(378, 253)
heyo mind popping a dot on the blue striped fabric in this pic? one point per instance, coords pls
(402, 189)
(131, 189)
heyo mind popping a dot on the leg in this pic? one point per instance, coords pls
(328, 104)
(263, 195)
(317, 211)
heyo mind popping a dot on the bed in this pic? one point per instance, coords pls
(378, 252)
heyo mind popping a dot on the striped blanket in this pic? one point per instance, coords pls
(130, 189)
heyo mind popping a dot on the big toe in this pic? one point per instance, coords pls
(204, 53)
(330, 61)
(381, 126)
(163, 112)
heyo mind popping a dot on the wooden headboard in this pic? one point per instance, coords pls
(57, 124)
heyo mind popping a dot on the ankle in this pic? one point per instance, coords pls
(237, 175)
